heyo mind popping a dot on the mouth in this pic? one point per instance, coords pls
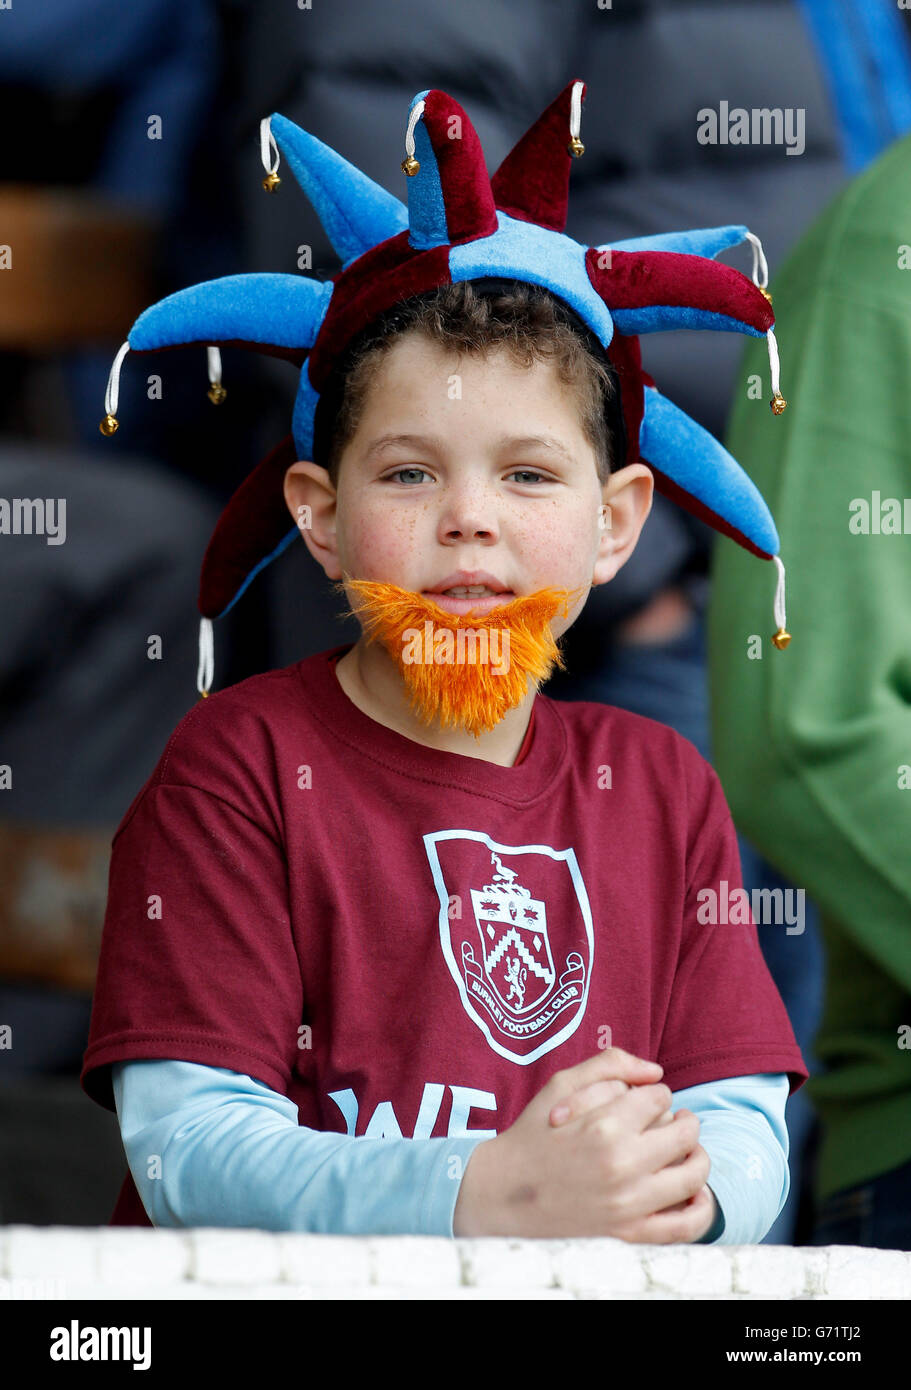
(474, 602)
(469, 592)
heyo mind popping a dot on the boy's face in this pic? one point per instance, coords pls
(476, 466)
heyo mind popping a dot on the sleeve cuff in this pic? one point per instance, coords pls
(444, 1181)
(717, 1227)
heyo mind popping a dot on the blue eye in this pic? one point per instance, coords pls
(399, 471)
(524, 473)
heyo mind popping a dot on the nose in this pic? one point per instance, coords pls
(469, 514)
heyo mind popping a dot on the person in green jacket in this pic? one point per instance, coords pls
(813, 744)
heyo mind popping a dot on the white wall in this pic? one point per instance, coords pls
(60, 1262)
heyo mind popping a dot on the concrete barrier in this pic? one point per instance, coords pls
(64, 1262)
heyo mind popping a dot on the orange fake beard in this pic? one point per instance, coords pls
(462, 670)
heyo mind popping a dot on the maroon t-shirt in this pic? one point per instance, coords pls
(411, 942)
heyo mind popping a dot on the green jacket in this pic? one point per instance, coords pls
(813, 743)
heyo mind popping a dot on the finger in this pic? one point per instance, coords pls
(669, 1144)
(671, 1195)
(668, 1118)
(611, 1064)
(678, 1183)
(580, 1102)
(636, 1109)
(690, 1201)
(598, 1093)
(684, 1222)
(657, 1146)
(677, 1196)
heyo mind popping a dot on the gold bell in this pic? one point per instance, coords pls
(575, 147)
(765, 293)
(778, 404)
(410, 166)
(216, 393)
(781, 639)
(108, 425)
(271, 182)
(204, 695)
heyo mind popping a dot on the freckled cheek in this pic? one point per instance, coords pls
(375, 545)
(558, 542)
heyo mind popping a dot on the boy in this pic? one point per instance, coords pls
(392, 885)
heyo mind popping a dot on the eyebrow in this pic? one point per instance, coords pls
(389, 441)
(541, 441)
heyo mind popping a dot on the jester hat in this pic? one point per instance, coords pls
(460, 223)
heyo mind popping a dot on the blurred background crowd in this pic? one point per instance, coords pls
(106, 211)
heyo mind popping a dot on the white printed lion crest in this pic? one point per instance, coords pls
(513, 931)
(525, 991)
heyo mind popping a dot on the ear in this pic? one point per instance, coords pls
(311, 500)
(627, 497)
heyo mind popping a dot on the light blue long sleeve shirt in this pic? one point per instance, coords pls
(210, 1147)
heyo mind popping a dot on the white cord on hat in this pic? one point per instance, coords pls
(761, 280)
(417, 112)
(759, 261)
(575, 110)
(575, 146)
(206, 668)
(781, 617)
(216, 392)
(410, 165)
(112, 392)
(268, 147)
(214, 364)
(781, 637)
(774, 365)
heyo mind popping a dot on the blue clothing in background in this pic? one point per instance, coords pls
(160, 56)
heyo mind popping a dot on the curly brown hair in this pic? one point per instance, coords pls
(526, 320)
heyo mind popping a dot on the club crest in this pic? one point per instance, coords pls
(516, 932)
